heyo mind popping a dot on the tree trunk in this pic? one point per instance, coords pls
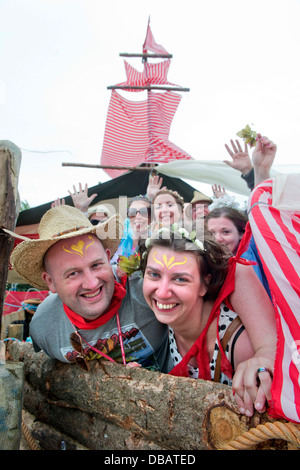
(10, 161)
(113, 407)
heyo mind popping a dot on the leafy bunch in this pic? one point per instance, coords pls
(248, 135)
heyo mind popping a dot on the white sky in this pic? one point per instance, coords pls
(239, 58)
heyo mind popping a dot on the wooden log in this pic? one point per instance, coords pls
(11, 396)
(10, 161)
(93, 432)
(18, 315)
(40, 436)
(158, 410)
(16, 331)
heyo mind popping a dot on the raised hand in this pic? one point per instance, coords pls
(241, 160)
(57, 203)
(80, 198)
(263, 158)
(218, 191)
(154, 186)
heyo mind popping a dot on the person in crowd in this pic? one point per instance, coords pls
(82, 201)
(199, 206)
(90, 313)
(183, 279)
(167, 207)
(227, 225)
(98, 214)
(137, 227)
(95, 214)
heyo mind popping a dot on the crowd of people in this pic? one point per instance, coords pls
(194, 303)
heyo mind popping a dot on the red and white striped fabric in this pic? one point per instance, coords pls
(151, 45)
(138, 132)
(152, 74)
(277, 236)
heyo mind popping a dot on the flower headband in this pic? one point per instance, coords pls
(180, 232)
(174, 194)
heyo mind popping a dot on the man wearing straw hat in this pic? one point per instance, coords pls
(198, 207)
(89, 313)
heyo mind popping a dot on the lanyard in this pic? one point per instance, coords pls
(101, 352)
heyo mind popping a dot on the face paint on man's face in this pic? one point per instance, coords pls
(80, 248)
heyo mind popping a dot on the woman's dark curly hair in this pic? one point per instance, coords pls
(213, 260)
(237, 217)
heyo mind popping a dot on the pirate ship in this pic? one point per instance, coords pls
(113, 407)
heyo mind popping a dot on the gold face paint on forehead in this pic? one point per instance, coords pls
(80, 248)
(168, 263)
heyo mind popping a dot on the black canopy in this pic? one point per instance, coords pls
(130, 184)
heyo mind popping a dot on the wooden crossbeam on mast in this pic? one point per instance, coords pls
(110, 167)
(149, 87)
(145, 56)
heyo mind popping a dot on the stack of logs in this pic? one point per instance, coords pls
(113, 407)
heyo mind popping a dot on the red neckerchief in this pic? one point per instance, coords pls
(199, 348)
(82, 324)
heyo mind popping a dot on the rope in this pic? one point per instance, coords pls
(28, 437)
(278, 430)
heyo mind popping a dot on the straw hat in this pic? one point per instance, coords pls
(198, 197)
(99, 208)
(60, 223)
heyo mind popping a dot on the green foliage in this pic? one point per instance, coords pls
(248, 135)
(24, 206)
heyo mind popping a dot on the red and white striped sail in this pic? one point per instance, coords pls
(152, 74)
(151, 45)
(138, 131)
(277, 236)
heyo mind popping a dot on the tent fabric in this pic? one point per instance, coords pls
(130, 184)
(218, 172)
(209, 172)
(277, 237)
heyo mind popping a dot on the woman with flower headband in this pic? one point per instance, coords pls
(167, 208)
(202, 295)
